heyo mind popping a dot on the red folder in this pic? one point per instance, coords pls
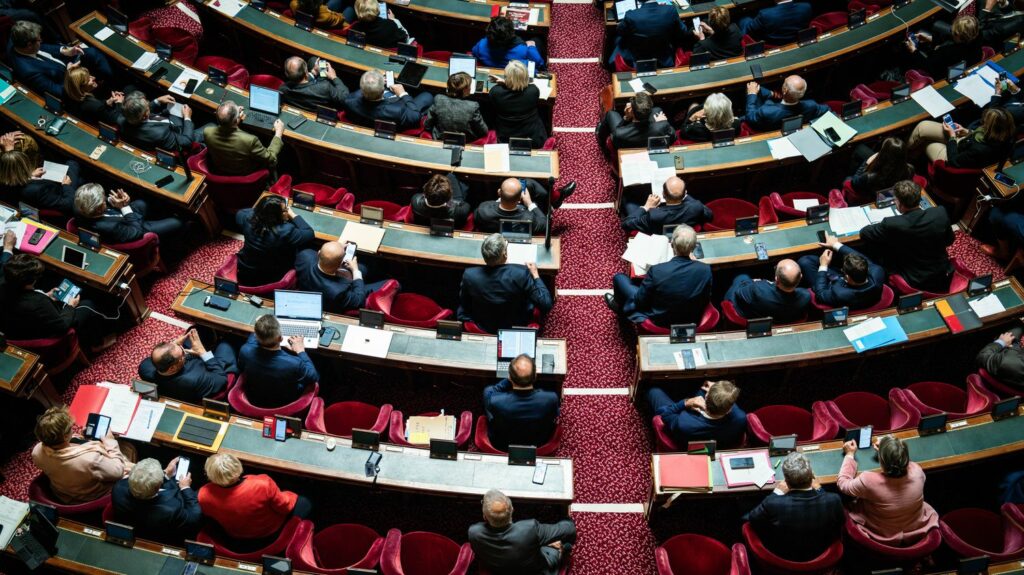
(88, 399)
(682, 471)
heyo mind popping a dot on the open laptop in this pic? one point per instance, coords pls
(299, 313)
(517, 231)
(264, 106)
(512, 343)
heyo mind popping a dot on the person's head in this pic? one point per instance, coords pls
(787, 275)
(268, 331)
(998, 126)
(437, 191)
(855, 269)
(719, 19)
(330, 256)
(310, 6)
(366, 10)
(641, 105)
(516, 76)
(78, 83)
(796, 469)
(26, 36)
(53, 427)
(168, 357)
(23, 271)
(497, 509)
(907, 195)
(269, 213)
(223, 469)
(372, 84)
(674, 190)
(893, 456)
(510, 193)
(501, 34)
(459, 85)
(90, 201)
(793, 89)
(720, 397)
(228, 114)
(493, 249)
(718, 112)
(15, 168)
(135, 108)
(890, 165)
(295, 71)
(965, 29)
(522, 371)
(145, 479)
(684, 239)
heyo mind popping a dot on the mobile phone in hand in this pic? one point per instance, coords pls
(948, 120)
(350, 251)
(182, 470)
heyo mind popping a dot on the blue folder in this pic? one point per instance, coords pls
(893, 333)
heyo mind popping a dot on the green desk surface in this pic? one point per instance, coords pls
(463, 10)
(685, 81)
(10, 365)
(427, 154)
(773, 350)
(695, 9)
(94, 552)
(97, 263)
(1016, 171)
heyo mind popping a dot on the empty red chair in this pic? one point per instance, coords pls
(183, 45)
(424, 553)
(917, 79)
(392, 211)
(783, 203)
(765, 212)
(707, 323)
(769, 562)
(55, 353)
(238, 76)
(484, 445)
(663, 442)
(958, 282)
(861, 408)
(836, 199)
(953, 187)
(335, 549)
(692, 554)
(212, 533)
(884, 301)
(828, 21)
(472, 327)
(490, 138)
(266, 81)
(776, 420)
(931, 397)
(39, 490)
(887, 554)
(989, 382)
(406, 308)
(230, 193)
(229, 270)
(439, 55)
(463, 428)
(974, 532)
(143, 253)
(726, 210)
(240, 403)
(867, 97)
(342, 417)
(323, 195)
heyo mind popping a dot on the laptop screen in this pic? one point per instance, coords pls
(264, 99)
(513, 342)
(298, 305)
(458, 64)
(516, 228)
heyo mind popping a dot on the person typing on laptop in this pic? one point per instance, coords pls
(517, 413)
(274, 376)
(307, 90)
(232, 151)
(501, 295)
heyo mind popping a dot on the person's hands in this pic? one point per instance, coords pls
(815, 484)
(331, 74)
(825, 259)
(295, 344)
(949, 131)
(73, 302)
(399, 90)
(660, 117)
(38, 172)
(526, 199)
(706, 30)
(186, 112)
(171, 468)
(556, 545)
(10, 140)
(53, 294)
(71, 51)
(115, 98)
(391, 15)
(1005, 337)
(9, 240)
(911, 47)
(706, 386)
(196, 343)
(278, 128)
(531, 43)
(960, 131)
(830, 241)
(850, 447)
(627, 112)
(118, 199)
(698, 115)
(1014, 88)
(352, 265)
(696, 403)
(923, 37)
(532, 267)
(782, 486)
(74, 65)
(185, 482)
(66, 181)
(165, 100)
(652, 202)
(495, 79)
(753, 88)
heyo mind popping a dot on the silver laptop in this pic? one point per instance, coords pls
(264, 106)
(512, 343)
(516, 231)
(299, 313)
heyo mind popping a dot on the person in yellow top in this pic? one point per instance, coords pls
(326, 13)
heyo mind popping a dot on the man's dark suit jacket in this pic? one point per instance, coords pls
(1004, 363)
(39, 74)
(521, 548)
(635, 134)
(498, 297)
(830, 288)
(381, 32)
(172, 515)
(721, 45)
(274, 377)
(754, 299)
(690, 211)
(914, 245)
(115, 227)
(676, 291)
(29, 314)
(764, 113)
(652, 31)
(799, 525)
(316, 92)
(196, 380)
(488, 215)
(998, 24)
(43, 194)
(779, 24)
(457, 210)
(153, 133)
(92, 109)
(403, 111)
(340, 293)
(266, 258)
(519, 417)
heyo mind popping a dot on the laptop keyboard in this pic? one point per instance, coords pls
(304, 331)
(503, 365)
(260, 117)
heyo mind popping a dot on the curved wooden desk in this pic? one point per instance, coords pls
(23, 376)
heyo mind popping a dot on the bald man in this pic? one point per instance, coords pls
(526, 547)
(514, 203)
(783, 300)
(306, 87)
(673, 208)
(765, 114)
(235, 152)
(340, 281)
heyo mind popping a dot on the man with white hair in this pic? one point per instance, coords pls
(676, 291)
(375, 101)
(501, 295)
(526, 547)
(156, 505)
(765, 114)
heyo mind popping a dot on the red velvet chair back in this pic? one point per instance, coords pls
(230, 193)
(392, 211)
(663, 442)
(463, 428)
(917, 79)
(39, 490)
(860, 408)
(765, 212)
(783, 203)
(240, 403)
(989, 382)
(926, 546)
(266, 81)
(692, 554)
(884, 302)
(708, 322)
(229, 270)
(213, 534)
(771, 563)
(732, 315)
(238, 76)
(335, 549)
(972, 532)
(836, 199)
(143, 253)
(958, 282)
(952, 187)
(931, 397)
(406, 308)
(342, 417)
(55, 353)
(775, 420)
(726, 210)
(423, 553)
(483, 442)
(828, 21)
(867, 97)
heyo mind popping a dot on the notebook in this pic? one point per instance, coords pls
(684, 472)
(114, 400)
(957, 313)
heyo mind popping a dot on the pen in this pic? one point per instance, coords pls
(777, 463)
(707, 352)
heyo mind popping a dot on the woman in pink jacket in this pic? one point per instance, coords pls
(78, 470)
(890, 506)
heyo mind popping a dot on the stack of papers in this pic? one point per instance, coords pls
(875, 332)
(782, 148)
(644, 251)
(803, 205)
(932, 101)
(988, 305)
(849, 221)
(420, 430)
(12, 513)
(638, 169)
(683, 472)
(980, 85)
(114, 400)
(367, 237)
(145, 61)
(496, 158)
(366, 341)
(761, 474)
(54, 172)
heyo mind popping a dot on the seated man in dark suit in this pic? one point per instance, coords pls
(1004, 358)
(514, 203)
(10, 240)
(374, 101)
(640, 120)
(231, 151)
(526, 547)
(156, 505)
(273, 376)
(913, 243)
(674, 207)
(42, 66)
(443, 197)
(653, 30)
(778, 24)
(711, 413)
(517, 413)
(501, 295)
(120, 220)
(798, 520)
(145, 126)
(676, 291)
(307, 90)
(343, 289)
(999, 20)
(765, 114)
(857, 281)
(782, 299)
(183, 369)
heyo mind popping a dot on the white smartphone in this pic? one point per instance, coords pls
(696, 23)
(182, 469)
(383, 10)
(389, 78)
(350, 251)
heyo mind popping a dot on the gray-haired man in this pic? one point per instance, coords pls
(526, 547)
(501, 295)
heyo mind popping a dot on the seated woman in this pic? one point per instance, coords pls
(325, 14)
(882, 169)
(452, 112)
(988, 141)
(249, 507)
(20, 180)
(120, 220)
(515, 102)
(381, 32)
(273, 235)
(715, 114)
(82, 103)
(965, 46)
(719, 37)
(501, 45)
(78, 470)
(889, 506)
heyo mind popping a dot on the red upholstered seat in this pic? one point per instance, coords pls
(213, 534)
(783, 203)
(953, 187)
(406, 308)
(836, 199)
(974, 532)
(884, 301)
(726, 210)
(323, 195)
(143, 253)
(483, 442)
(230, 193)
(917, 79)
(765, 212)
(424, 553)
(663, 442)
(692, 554)
(266, 81)
(392, 211)
(229, 270)
(989, 382)
(931, 397)
(39, 490)
(828, 21)
(342, 417)
(472, 327)
(463, 428)
(861, 408)
(734, 317)
(439, 55)
(775, 420)
(769, 562)
(867, 96)
(335, 549)
(240, 403)
(238, 76)
(708, 321)
(55, 353)
(958, 282)
(888, 553)
(183, 45)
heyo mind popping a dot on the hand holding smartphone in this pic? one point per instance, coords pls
(350, 251)
(182, 469)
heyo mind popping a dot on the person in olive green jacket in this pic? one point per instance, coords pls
(234, 152)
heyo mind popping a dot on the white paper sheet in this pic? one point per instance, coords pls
(366, 341)
(145, 61)
(975, 88)
(864, 328)
(782, 148)
(496, 158)
(188, 11)
(877, 215)
(7, 213)
(623, 6)
(637, 84)
(147, 418)
(176, 109)
(658, 178)
(932, 101)
(178, 87)
(543, 86)
(637, 169)
(802, 205)
(644, 251)
(228, 7)
(104, 33)
(760, 474)
(988, 305)
(846, 221)
(54, 172)
(19, 231)
(534, 16)
(119, 405)
(12, 513)
(809, 143)
(988, 74)
(522, 253)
